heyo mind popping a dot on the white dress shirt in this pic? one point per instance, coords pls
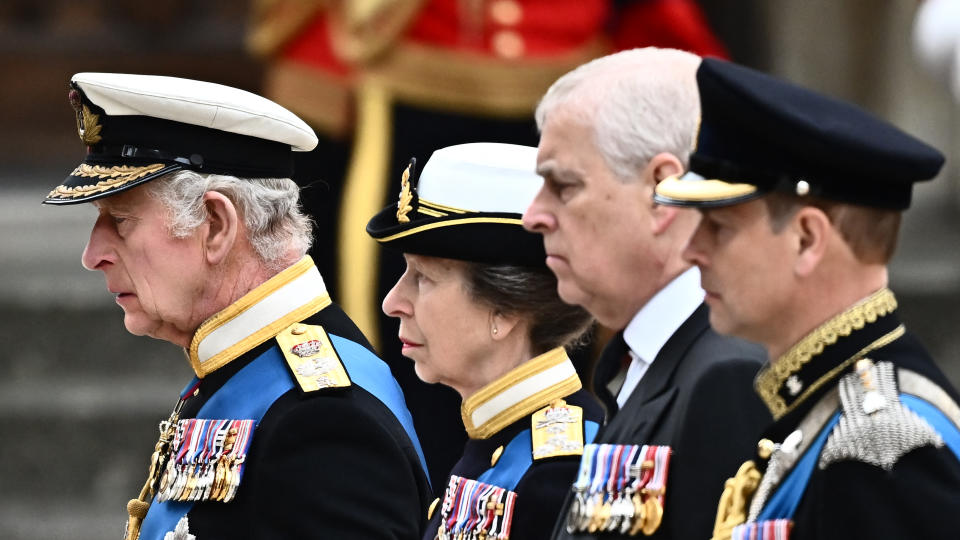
(653, 325)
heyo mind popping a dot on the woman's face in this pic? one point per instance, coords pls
(443, 329)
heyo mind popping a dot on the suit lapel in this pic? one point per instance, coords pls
(649, 403)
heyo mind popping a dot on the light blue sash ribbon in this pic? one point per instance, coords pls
(252, 390)
(517, 457)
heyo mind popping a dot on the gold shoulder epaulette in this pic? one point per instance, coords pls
(557, 430)
(311, 357)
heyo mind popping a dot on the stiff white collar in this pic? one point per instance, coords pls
(519, 393)
(656, 321)
(288, 297)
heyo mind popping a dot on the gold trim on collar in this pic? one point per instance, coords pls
(774, 375)
(269, 331)
(452, 222)
(114, 177)
(526, 405)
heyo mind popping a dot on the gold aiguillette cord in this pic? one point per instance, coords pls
(137, 508)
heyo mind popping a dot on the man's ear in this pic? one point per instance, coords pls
(662, 166)
(223, 226)
(812, 229)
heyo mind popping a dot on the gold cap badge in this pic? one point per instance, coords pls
(406, 196)
(88, 124)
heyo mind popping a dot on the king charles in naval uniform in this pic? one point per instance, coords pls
(292, 427)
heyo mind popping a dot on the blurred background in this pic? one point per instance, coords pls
(80, 398)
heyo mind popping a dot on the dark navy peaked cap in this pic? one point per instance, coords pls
(760, 134)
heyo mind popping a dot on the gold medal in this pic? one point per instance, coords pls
(654, 515)
(639, 515)
(606, 511)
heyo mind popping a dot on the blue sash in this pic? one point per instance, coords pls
(517, 457)
(372, 374)
(787, 497)
(935, 417)
(261, 383)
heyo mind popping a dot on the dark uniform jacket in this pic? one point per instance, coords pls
(846, 398)
(329, 458)
(693, 399)
(522, 439)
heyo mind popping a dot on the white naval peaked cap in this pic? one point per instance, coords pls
(200, 103)
(481, 177)
(467, 204)
(141, 127)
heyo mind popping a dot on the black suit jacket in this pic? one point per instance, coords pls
(697, 398)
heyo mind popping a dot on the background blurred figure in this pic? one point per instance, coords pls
(936, 41)
(479, 313)
(394, 79)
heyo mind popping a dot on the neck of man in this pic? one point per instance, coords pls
(822, 299)
(227, 282)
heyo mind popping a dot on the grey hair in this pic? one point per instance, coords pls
(276, 226)
(639, 102)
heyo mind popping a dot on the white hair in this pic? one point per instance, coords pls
(639, 102)
(276, 226)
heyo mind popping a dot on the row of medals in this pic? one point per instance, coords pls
(633, 510)
(216, 479)
(629, 513)
(495, 502)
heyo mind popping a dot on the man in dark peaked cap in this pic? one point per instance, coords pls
(801, 197)
(292, 428)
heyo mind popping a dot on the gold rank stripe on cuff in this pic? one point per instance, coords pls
(518, 393)
(773, 376)
(288, 297)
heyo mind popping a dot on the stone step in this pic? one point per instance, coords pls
(22, 518)
(80, 345)
(102, 461)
